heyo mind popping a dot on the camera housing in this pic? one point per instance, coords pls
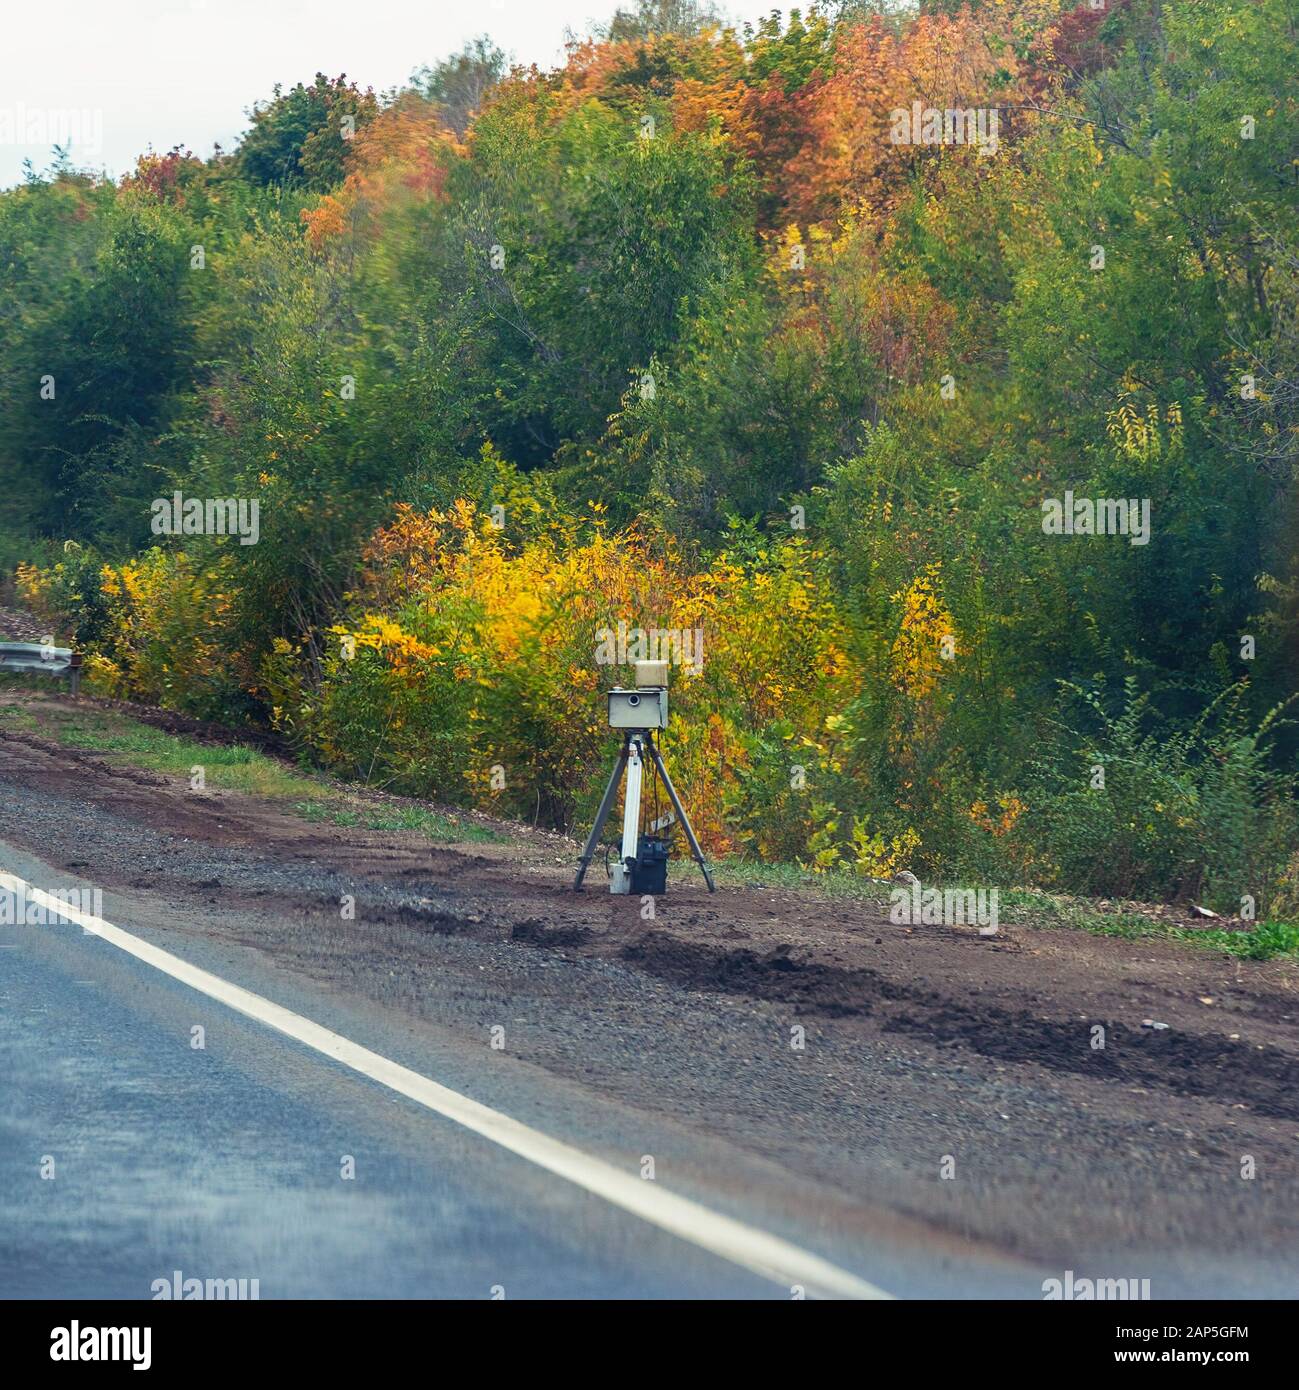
(646, 708)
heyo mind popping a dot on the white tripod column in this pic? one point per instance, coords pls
(631, 811)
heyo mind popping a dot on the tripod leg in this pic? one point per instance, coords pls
(681, 814)
(601, 816)
(631, 810)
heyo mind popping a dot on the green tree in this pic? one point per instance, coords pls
(300, 137)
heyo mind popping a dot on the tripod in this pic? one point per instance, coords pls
(636, 743)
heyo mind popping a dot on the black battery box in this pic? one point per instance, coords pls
(649, 870)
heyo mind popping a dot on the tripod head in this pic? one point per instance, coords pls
(645, 706)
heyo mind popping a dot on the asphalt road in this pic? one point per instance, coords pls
(228, 1161)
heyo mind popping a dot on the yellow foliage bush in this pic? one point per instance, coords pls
(166, 637)
(471, 664)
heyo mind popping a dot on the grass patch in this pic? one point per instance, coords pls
(1264, 942)
(234, 767)
(433, 825)
(119, 738)
(749, 873)
(1025, 906)
(15, 717)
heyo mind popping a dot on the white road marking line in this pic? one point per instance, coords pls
(746, 1246)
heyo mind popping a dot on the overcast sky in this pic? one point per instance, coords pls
(121, 75)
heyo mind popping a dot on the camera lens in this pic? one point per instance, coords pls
(633, 700)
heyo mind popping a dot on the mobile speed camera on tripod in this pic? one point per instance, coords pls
(640, 713)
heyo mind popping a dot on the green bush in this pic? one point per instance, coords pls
(1133, 807)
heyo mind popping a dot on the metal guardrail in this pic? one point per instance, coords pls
(47, 661)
